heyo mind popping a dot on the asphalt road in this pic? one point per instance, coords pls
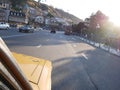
(76, 65)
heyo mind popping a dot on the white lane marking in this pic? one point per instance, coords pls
(38, 46)
(84, 56)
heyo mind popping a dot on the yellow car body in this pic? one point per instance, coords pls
(37, 71)
(23, 72)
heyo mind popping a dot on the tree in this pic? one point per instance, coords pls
(50, 15)
(101, 18)
(98, 23)
(79, 28)
(17, 2)
(98, 19)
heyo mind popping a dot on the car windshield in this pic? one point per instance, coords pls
(81, 38)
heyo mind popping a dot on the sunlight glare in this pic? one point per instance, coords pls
(115, 20)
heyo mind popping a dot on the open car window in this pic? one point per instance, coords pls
(11, 75)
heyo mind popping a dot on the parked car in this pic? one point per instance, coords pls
(4, 25)
(53, 31)
(38, 28)
(26, 29)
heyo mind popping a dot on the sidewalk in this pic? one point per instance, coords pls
(102, 46)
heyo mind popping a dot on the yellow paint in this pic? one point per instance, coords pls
(37, 71)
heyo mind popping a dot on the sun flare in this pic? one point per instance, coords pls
(114, 17)
(115, 21)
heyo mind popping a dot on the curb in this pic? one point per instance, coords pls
(102, 46)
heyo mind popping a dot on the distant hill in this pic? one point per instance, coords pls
(66, 15)
(60, 13)
(53, 11)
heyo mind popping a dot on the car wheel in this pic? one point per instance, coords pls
(19, 30)
(7, 28)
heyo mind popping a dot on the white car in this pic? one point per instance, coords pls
(39, 28)
(4, 25)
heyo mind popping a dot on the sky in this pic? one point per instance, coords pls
(84, 8)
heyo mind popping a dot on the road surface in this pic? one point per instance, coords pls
(76, 64)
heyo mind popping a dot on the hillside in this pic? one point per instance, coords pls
(53, 11)
(60, 13)
(68, 16)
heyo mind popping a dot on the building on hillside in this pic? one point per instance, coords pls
(52, 23)
(2, 15)
(17, 18)
(32, 13)
(4, 11)
(39, 21)
(62, 23)
(69, 21)
(4, 5)
(35, 16)
(26, 10)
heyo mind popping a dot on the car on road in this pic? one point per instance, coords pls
(26, 29)
(53, 31)
(38, 28)
(4, 25)
(68, 30)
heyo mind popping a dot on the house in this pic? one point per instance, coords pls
(5, 5)
(39, 19)
(18, 18)
(4, 11)
(52, 23)
(32, 13)
(62, 21)
(2, 15)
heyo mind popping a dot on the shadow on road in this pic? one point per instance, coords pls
(99, 72)
(45, 39)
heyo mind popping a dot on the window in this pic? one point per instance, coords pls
(14, 13)
(17, 14)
